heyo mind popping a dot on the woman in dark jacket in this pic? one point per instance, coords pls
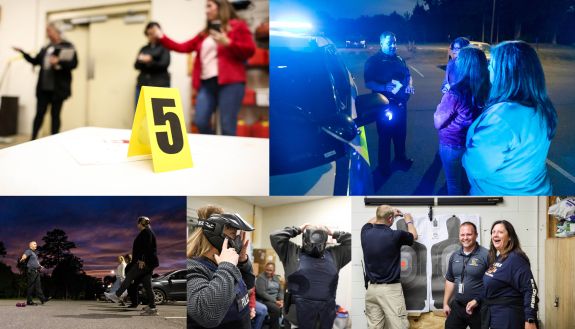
(56, 61)
(144, 260)
(510, 294)
(219, 74)
(456, 112)
(152, 62)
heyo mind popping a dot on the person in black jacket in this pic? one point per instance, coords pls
(152, 62)
(56, 60)
(144, 260)
(311, 272)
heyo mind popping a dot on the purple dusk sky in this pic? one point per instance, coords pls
(101, 227)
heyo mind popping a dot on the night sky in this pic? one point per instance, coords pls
(341, 8)
(101, 227)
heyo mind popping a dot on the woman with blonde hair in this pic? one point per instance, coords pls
(219, 272)
(120, 274)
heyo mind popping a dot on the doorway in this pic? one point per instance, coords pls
(107, 41)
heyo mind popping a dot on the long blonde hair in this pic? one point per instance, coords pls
(198, 244)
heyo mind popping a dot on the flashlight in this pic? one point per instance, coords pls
(388, 114)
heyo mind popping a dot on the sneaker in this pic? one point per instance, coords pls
(404, 163)
(150, 311)
(112, 296)
(31, 304)
(45, 300)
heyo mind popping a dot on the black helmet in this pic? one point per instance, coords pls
(314, 242)
(213, 229)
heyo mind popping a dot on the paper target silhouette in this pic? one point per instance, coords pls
(413, 272)
(424, 264)
(440, 253)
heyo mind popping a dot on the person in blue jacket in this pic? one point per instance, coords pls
(510, 298)
(507, 144)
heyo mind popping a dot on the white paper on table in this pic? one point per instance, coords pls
(398, 86)
(98, 150)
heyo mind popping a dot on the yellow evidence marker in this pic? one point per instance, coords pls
(159, 129)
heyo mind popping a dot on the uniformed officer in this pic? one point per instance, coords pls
(312, 273)
(386, 73)
(33, 268)
(465, 277)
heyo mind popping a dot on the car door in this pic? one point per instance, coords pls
(177, 284)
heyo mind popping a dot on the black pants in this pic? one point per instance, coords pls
(136, 274)
(274, 312)
(46, 98)
(313, 314)
(133, 292)
(34, 286)
(459, 319)
(388, 130)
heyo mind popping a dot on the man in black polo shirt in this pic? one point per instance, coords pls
(387, 73)
(465, 277)
(381, 245)
(33, 273)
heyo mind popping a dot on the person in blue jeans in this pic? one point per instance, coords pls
(459, 106)
(261, 313)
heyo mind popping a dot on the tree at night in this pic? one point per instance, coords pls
(56, 248)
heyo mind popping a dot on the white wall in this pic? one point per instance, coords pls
(524, 213)
(332, 212)
(22, 24)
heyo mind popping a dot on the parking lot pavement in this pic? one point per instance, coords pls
(88, 315)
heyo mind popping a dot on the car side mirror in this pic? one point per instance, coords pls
(369, 107)
(340, 126)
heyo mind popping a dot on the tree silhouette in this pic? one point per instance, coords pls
(66, 276)
(56, 248)
(2, 249)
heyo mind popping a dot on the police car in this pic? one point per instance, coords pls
(317, 142)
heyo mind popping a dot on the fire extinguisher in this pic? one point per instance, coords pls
(243, 129)
(261, 129)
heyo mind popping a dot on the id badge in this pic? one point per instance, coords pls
(460, 288)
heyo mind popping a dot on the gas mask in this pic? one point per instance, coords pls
(314, 242)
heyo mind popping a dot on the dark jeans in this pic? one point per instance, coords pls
(46, 98)
(143, 275)
(228, 98)
(274, 313)
(455, 175)
(388, 130)
(459, 319)
(34, 286)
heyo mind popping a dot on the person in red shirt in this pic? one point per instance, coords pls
(222, 49)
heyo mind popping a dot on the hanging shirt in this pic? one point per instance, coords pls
(209, 58)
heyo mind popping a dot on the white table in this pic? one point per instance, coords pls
(61, 165)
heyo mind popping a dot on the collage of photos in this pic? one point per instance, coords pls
(287, 164)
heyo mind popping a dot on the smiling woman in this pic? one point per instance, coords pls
(510, 290)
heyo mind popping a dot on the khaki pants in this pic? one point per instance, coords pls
(385, 307)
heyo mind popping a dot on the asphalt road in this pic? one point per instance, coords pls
(427, 66)
(88, 315)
